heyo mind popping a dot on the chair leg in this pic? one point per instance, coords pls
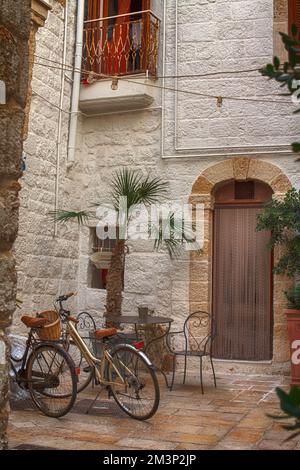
(173, 376)
(184, 373)
(201, 378)
(213, 369)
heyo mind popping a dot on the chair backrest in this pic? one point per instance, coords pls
(85, 324)
(198, 331)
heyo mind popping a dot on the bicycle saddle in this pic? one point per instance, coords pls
(104, 333)
(33, 322)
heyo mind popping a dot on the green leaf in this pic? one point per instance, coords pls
(288, 404)
(63, 216)
(276, 62)
(269, 68)
(296, 147)
(136, 188)
(294, 30)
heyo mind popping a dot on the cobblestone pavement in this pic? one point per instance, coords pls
(232, 416)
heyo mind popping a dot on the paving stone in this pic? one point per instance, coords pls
(186, 420)
(137, 443)
(268, 444)
(246, 435)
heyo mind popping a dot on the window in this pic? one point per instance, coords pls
(118, 38)
(98, 270)
(244, 190)
(97, 275)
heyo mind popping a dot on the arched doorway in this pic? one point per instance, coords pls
(242, 273)
(201, 264)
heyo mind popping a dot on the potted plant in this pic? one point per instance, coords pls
(293, 320)
(282, 219)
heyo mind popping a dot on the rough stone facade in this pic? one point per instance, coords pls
(182, 143)
(47, 264)
(14, 34)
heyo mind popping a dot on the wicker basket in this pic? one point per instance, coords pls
(51, 331)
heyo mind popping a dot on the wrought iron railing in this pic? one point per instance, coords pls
(121, 45)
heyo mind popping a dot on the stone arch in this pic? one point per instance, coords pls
(241, 169)
(200, 290)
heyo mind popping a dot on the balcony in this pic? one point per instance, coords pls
(119, 46)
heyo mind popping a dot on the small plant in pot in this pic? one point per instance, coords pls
(282, 219)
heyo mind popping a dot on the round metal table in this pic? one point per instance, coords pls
(149, 320)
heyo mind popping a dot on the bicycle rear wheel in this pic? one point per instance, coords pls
(139, 395)
(52, 381)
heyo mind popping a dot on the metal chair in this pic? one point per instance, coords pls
(198, 337)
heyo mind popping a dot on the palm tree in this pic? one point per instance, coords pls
(138, 190)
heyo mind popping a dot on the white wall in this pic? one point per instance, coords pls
(213, 36)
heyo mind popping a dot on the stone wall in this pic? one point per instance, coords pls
(47, 264)
(133, 140)
(14, 35)
(213, 36)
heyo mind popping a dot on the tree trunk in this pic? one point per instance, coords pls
(114, 284)
(14, 36)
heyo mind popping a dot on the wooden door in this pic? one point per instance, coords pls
(242, 284)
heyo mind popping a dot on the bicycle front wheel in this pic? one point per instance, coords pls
(52, 381)
(134, 383)
(85, 371)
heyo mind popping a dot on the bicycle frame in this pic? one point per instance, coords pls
(98, 364)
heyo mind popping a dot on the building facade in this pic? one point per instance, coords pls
(171, 89)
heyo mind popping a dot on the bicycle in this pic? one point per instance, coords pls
(126, 373)
(86, 325)
(46, 371)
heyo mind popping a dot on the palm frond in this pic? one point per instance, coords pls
(170, 233)
(136, 188)
(63, 216)
(151, 190)
(125, 183)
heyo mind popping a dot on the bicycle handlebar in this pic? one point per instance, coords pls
(65, 297)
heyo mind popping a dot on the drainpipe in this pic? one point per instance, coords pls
(76, 83)
(60, 113)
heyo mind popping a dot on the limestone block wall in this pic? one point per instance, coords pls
(214, 36)
(14, 36)
(46, 265)
(215, 135)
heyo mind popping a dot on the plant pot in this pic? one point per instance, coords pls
(293, 320)
(101, 259)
